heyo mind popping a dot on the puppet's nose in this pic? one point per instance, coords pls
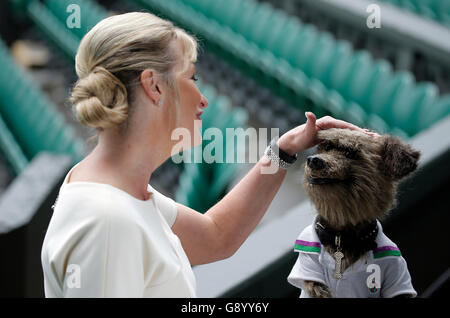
(315, 163)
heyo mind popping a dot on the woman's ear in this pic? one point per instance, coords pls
(398, 159)
(149, 83)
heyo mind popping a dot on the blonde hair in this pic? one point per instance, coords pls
(111, 57)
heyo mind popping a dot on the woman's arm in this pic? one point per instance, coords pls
(219, 232)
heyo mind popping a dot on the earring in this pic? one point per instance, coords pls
(160, 102)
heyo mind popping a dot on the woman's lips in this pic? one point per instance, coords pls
(198, 115)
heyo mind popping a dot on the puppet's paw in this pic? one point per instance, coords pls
(317, 290)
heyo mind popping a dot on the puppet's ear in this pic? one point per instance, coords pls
(398, 158)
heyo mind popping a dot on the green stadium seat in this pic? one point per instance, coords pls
(289, 49)
(280, 22)
(304, 48)
(409, 5)
(200, 4)
(281, 45)
(375, 94)
(311, 52)
(406, 110)
(384, 90)
(341, 52)
(324, 54)
(269, 29)
(358, 78)
(289, 82)
(256, 21)
(231, 9)
(296, 86)
(400, 90)
(428, 13)
(335, 104)
(222, 10)
(317, 93)
(430, 114)
(355, 114)
(377, 124)
(442, 9)
(32, 119)
(399, 133)
(11, 149)
(183, 16)
(268, 68)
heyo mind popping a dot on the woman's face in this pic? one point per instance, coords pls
(192, 104)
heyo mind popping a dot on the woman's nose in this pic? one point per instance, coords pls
(204, 102)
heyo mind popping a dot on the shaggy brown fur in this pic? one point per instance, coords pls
(353, 179)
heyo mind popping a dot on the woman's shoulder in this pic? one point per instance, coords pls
(83, 188)
(84, 194)
(90, 204)
(87, 214)
(166, 205)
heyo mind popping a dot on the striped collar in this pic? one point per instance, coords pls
(308, 242)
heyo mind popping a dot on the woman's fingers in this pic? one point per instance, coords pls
(330, 122)
(310, 123)
(305, 136)
(310, 117)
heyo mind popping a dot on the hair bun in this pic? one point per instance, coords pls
(100, 99)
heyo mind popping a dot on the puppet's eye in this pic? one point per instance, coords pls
(350, 153)
(328, 146)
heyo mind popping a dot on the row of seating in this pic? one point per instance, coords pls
(437, 10)
(11, 149)
(32, 119)
(304, 65)
(54, 30)
(202, 184)
(394, 96)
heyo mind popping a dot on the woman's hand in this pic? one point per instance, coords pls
(305, 136)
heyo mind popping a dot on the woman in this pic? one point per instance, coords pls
(111, 233)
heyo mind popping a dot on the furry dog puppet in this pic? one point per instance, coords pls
(352, 182)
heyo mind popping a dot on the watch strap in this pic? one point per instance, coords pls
(282, 154)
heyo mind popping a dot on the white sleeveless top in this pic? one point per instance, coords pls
(103, 242)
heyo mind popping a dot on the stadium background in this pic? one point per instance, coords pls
(261, 64)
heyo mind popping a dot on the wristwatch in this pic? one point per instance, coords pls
(278, 156)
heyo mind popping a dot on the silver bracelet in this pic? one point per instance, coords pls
(276, 159)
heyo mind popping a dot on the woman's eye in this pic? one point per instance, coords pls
(194, 78)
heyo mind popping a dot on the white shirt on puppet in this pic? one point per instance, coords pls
(383, 267)
(103, 242)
